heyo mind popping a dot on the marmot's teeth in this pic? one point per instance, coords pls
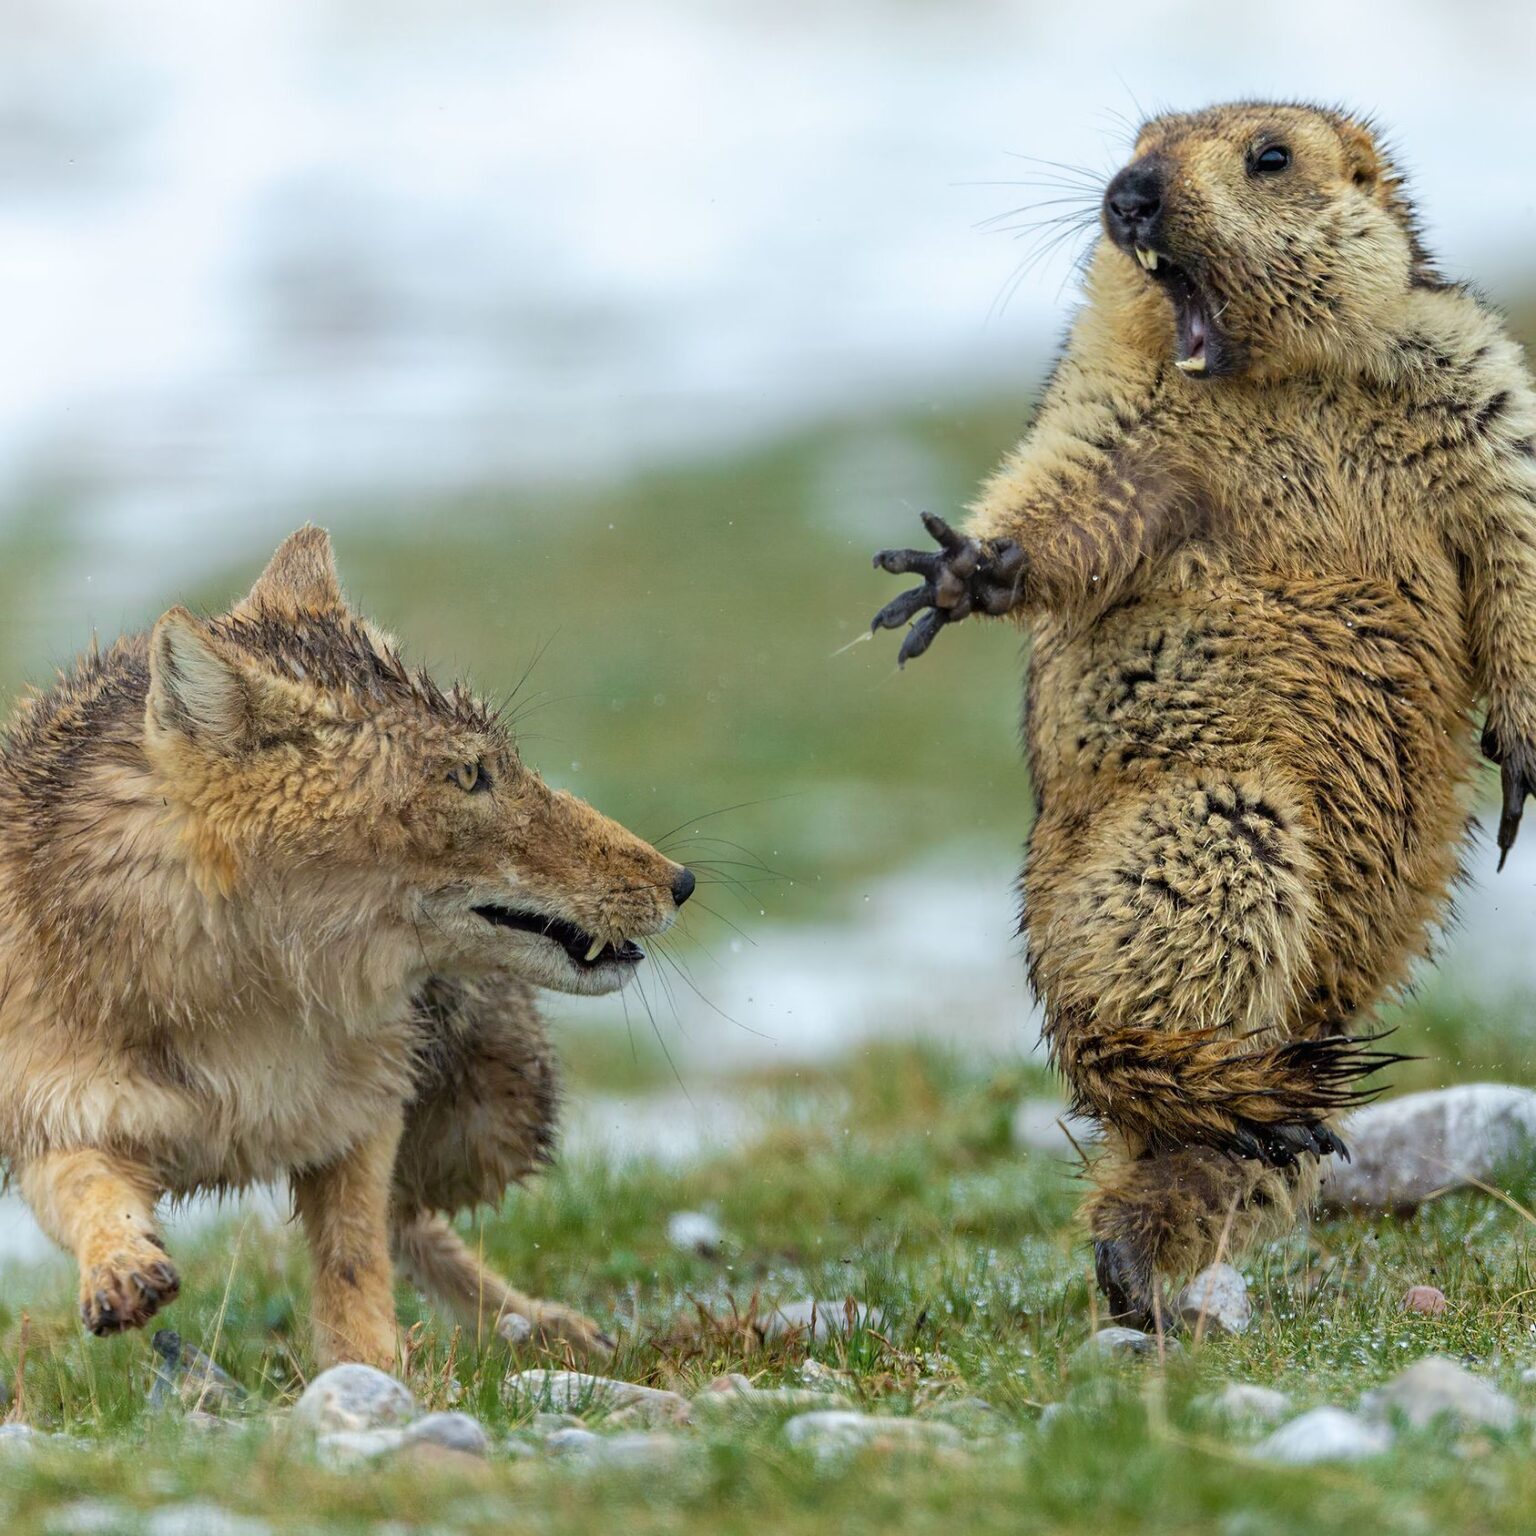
(1190, 364)
(1147, 258)
(598, 945)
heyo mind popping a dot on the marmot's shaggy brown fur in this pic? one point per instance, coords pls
(1274, 531)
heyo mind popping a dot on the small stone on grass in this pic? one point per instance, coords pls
(1324, 1434)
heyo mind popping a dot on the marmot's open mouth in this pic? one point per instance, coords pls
(1195, 346)
(585, 950)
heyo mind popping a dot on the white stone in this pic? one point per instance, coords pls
(1435, 1389)
(571, 1442)
(353, 1397)
(695, 1232)
(766, 1401)
(20, 1434)
(576, 1391)
(1404, 1150)
(1242, 1402)
(1121, 1344)
(834, 1432)
(818, 1319)
(454, 1431)
(202, 1519)
(1216, 1301)
(1324, 1434)
(349, 1447)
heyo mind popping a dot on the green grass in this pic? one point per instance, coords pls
(890, 1179)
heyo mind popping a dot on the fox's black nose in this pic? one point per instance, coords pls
(682, 886)
(1132, 202)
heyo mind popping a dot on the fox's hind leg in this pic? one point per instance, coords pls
(483, 1117)
(103, 1211)
(434, 1255)
(1170, 944)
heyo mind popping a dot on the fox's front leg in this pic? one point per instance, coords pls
(344, 1207)
(102, 1209)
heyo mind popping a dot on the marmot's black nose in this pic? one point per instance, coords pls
(1132, 202)
(682, 886)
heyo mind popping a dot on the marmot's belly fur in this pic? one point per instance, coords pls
(1249, 815)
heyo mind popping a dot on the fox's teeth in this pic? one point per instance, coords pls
(598, 945)
(1147, 258)
(1190, 364)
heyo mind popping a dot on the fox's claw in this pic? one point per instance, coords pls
(126, 1292)
(1517, 776)
(963, 576)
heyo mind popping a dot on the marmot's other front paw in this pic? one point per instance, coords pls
(1517, 773)
(1279, 1145)
(552, 1327)
(963, 576)
(1130, 1288)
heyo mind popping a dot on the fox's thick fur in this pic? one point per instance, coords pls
(273, 907)
(1264, 603)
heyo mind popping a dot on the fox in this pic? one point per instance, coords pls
(276, 907)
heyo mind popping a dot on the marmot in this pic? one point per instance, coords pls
(1273, 530)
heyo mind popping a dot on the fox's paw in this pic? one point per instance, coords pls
(554, 1327)
(1278, 1146)
(128, 1288)
(963, 576)
(1130, 1288)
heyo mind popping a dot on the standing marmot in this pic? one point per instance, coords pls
(1274, 532)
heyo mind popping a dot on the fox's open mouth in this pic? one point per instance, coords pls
(1198, 350)
(586, 951)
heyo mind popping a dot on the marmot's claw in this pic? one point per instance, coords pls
(1517, 778)
(1278, 1146)
(965, 576)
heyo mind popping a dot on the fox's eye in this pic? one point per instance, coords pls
(1269, 161)
(471, 778)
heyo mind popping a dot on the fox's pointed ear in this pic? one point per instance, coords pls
(300, 577)
(196, 690)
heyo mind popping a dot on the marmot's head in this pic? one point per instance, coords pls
(1256, 238)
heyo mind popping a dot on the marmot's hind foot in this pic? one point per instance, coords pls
(1130, 1288)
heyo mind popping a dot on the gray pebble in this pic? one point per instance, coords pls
(816, 1318)
(1435, 1389)
(1242, 1402)
(454, 1431)
(834, 1432)
(1324, 1434)
(1404, 1150)
(201, 1519)
(1121, 1344)
(575, 1392)
(353, 1397)
(1216, 1301)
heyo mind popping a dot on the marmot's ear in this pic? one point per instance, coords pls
(1362, 160)
(197, 690)
(299, 578)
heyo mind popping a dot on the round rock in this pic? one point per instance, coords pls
(452, 1431)
(353, 1397)
(1437, 1390)
(1121, 1344)
(1325, 1434)
(1428, 1299)
(1216, 1301)
(832, 1432)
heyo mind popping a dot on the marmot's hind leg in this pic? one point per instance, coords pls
(483, 1118)
(1173, 1213)
(1170, 952)
(1171, 948)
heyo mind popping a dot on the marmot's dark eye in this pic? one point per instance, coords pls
(471, 778)
(1269, 160)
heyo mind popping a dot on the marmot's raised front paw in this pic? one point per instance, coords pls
(1517, 773)
(127, 1290)
(963, 576)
